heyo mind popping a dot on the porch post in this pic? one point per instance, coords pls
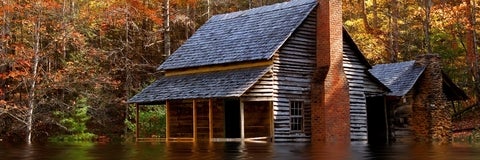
(137, 130)
(210, 119)
(167, 129)
(271, 116)
(242, 121)
(194, 107)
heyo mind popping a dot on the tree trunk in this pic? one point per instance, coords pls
(471, 45)
(209, 12)
(64, 29)
(126, 52)
(375, 14)
(395, 33)
(4, 39)
(31, 97)
(166, 34)
(426, 26)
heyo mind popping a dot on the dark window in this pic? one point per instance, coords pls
(296, 116)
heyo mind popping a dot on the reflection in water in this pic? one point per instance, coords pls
(235, 150)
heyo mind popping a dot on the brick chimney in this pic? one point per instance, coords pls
(329, 96)
(431, 121)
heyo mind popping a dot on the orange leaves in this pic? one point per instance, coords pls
(1, 94)
(20, 66)
(6, 8)
(15, 74)
(185, 2)
(146, 11)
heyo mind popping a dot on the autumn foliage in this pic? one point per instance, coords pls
(54, 51)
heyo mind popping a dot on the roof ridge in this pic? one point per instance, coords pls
(400, 71)
(413, 68)
(400, 77)
(395, 63)
(262, 9)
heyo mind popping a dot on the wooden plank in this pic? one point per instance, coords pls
(210, 119)
(346, 65)
(249, 99)
(242, 120)
(248, 64)
(194, 108)
(272, 131)
(180, 139)
(137, 124)
(293, 69)
(167, 124)
(151, 140)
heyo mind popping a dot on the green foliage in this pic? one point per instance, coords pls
(74, 138)
(75, 121)
(151, 119)
(472, 138)
(475, 137)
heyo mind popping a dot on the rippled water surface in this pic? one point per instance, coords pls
(236, 150)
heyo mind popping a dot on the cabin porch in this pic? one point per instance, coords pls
(230, 119)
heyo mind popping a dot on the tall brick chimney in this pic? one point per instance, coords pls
(329, 96)
(431, 121)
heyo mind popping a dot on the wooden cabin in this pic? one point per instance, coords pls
(421, 99)
(254, 74)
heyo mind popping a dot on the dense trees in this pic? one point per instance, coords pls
(56, 55)
(406, 28)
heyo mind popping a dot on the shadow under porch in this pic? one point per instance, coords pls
(216, 120)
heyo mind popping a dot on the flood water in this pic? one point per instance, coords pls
(235, 150)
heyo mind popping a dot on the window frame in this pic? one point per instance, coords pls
(298, 116)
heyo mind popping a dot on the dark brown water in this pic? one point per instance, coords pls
(236, 150)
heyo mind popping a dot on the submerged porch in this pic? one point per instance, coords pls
(227, 119)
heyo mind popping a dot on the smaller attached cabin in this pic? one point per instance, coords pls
(249, 74)
(366, 93)
(420, 98)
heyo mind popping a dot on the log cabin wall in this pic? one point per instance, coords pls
(262, 90)
(292, 73)
(202, 119)
(218, 118)
(257, 119)
(361, 86)
(180, 118)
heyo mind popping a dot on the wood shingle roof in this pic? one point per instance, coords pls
(249, 35)
(221, 84)
(398, 77)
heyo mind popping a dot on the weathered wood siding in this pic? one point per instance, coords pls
(257, 119)
(218, 122)
(202, 119)
(292, 71)
(262, 90)
(180, 118)
(361, 85)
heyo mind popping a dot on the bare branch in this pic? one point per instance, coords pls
(15, 117)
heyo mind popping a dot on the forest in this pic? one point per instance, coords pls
(67, 67)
